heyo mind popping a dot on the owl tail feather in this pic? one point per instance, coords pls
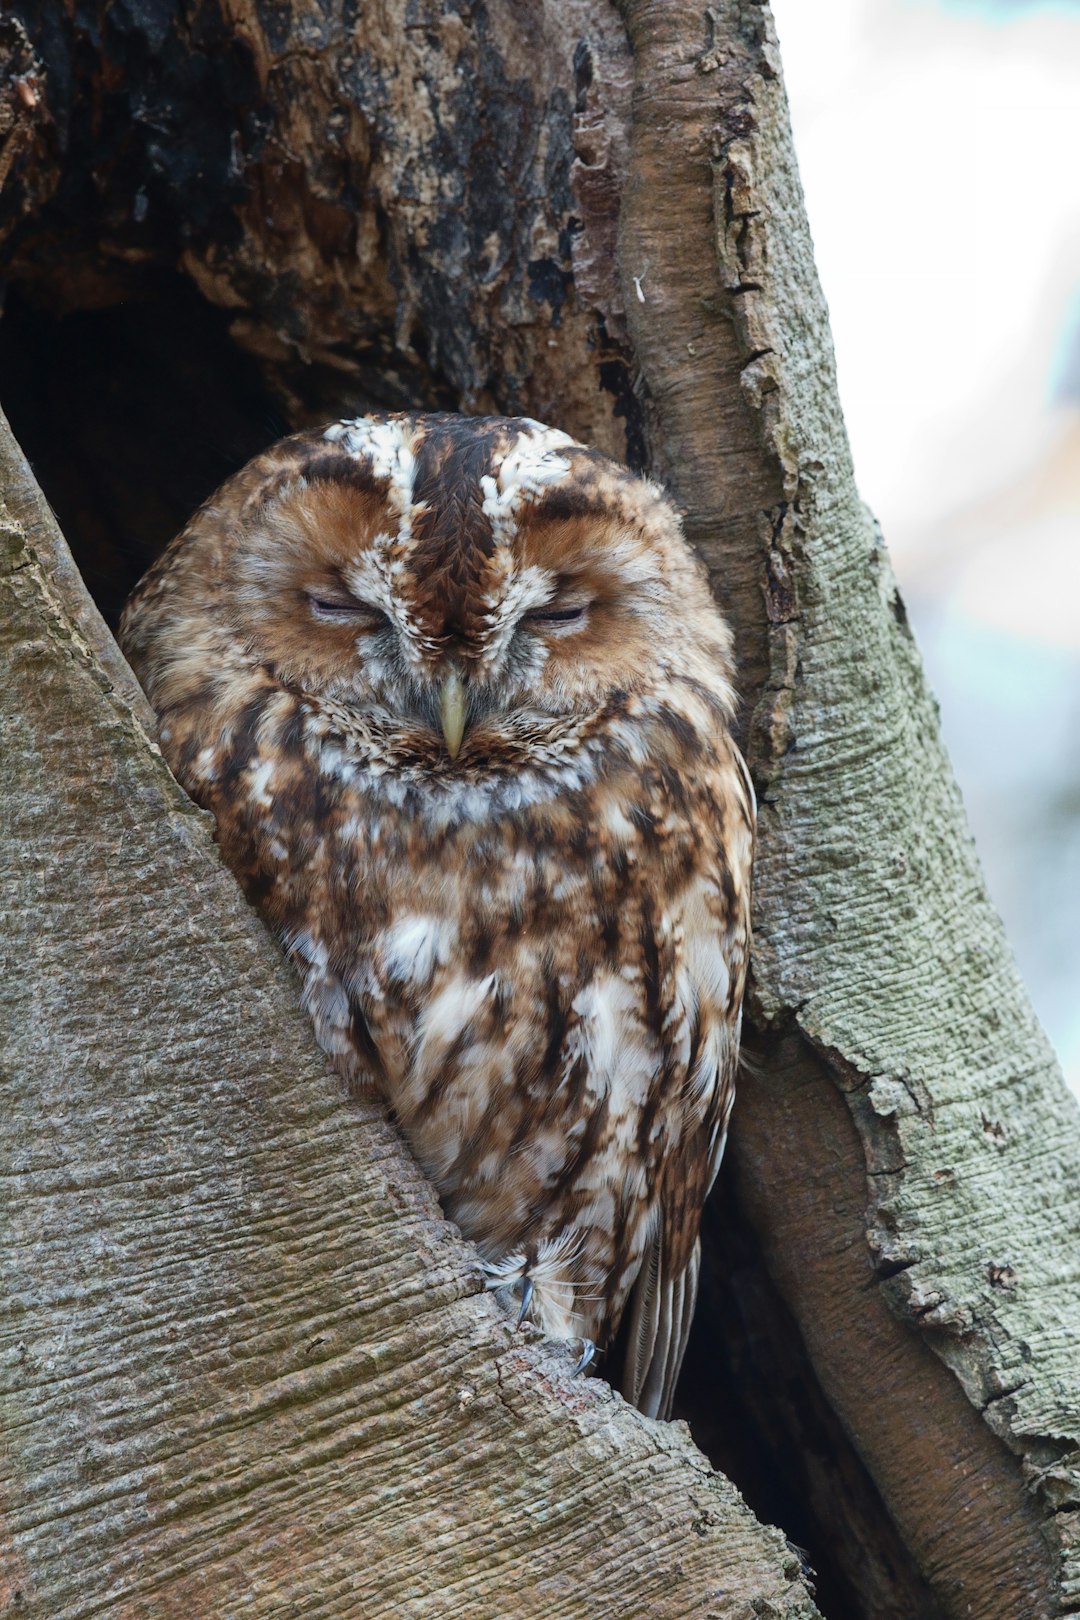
(661, 1310)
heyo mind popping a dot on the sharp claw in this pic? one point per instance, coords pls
(588, 1350)
(526, 1299)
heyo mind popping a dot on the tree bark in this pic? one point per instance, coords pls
(906, 1151)
(244, 1354)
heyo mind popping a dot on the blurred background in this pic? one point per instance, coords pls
(939, 147)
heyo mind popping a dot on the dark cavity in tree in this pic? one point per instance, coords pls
(130, 416)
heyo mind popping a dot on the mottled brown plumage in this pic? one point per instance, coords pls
(459, 700)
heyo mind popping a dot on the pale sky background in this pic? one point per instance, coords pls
(939, 146)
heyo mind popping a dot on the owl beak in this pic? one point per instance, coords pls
(452, 712)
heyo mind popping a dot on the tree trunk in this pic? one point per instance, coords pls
(245, 1358)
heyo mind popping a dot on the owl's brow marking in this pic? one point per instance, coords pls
(529, 466)
(393, 449)
(389, 447)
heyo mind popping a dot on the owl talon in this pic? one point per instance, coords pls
(588, 1350)
(526, 1299)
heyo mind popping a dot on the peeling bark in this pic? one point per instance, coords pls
(218, 1383)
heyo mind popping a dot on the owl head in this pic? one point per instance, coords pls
(470, 585)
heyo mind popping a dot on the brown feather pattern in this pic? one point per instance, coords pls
(536, 950)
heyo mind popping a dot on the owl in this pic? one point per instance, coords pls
(458, 697)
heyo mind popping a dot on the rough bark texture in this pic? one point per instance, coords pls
(251, 1354)
(909, 1154)
(415, 204)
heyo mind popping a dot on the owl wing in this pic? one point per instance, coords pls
(704, 1000)
(662, 1303)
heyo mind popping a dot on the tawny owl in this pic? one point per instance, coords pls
(458, 697)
